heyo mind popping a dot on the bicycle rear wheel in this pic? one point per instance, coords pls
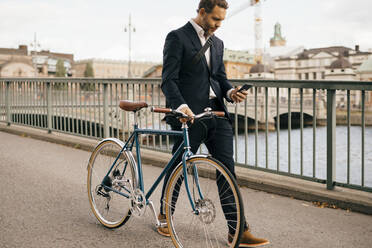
(112, 209)
(217, 200)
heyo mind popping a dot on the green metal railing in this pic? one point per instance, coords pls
(89, 108)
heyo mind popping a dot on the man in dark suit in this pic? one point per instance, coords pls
(191, 86)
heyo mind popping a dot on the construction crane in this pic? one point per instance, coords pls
(258, 41)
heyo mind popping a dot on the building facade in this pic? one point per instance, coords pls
(20, 62)
(312, 64)
(106, 68)
(237, 63)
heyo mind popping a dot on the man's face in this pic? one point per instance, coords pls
(212, 21)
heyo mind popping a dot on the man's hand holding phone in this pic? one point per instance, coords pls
(240, 93)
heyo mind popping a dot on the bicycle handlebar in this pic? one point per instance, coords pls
(207, 112)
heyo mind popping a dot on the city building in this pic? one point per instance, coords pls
(340, 69)
(260, 71)
(154, 71)
(313, 63)
(364, 72)
(20, 62)
(16, 63)
(237, 63)
(46, 62)
(106, 68)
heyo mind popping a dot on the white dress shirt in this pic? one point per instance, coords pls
(199, 30)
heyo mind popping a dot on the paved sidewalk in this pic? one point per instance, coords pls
(44, 204)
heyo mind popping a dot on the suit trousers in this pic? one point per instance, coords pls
(216, 133)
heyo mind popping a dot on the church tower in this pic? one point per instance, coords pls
(277, 40)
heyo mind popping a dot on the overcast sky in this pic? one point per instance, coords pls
(95, 28)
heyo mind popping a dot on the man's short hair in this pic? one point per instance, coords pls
(209, 5)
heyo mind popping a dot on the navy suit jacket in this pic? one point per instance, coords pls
(184, 83)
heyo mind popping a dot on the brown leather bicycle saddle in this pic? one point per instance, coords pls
(132, 106)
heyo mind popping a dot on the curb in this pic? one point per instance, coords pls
(339, 197)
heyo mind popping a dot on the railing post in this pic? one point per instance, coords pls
(7, 104)
(49, 107)
(106, 128)
(331, 138)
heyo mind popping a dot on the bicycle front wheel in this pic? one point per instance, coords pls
(217, 200)
(110, 193)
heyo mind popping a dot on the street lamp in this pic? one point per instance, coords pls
(35, 45)
(129, 28)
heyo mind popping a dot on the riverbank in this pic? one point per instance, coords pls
(355, 118)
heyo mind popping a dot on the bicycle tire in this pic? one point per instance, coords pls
(210, 227)
(111, 209)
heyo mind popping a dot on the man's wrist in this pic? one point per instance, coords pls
(228, 94)
(182, 106)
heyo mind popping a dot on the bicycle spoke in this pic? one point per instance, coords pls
(110, 208)
(215, 217)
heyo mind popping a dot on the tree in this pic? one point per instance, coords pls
(89, 72)
(60, 69)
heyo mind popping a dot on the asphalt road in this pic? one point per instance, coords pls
(43, 203)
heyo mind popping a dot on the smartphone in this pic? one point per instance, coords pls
(245, 87)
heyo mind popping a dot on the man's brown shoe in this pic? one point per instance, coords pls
(248, 240)
(163, 229)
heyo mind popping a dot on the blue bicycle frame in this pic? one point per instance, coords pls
(186, 155)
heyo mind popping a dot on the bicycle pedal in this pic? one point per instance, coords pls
(101, 193)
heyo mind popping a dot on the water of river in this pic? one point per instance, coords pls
(321, 152)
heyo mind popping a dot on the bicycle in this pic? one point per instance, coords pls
(116, 188)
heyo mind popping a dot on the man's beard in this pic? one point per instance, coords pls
(207, 29)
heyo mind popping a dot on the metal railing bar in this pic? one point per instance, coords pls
(236, 131)
(77, 114)
(277, 129)
(15, 103)
(348, 136)
(314, 132)
(160, 136)
(302, 129)
(22, 111)
(146, 118)
(139, 99)
(289, 129)
(111, 111)
(267, 126)
(152, 114)
(363, 133)
(245, 131)
(116, 106)
(256, 125)
(63, 100)
(86, 110)
(331, 138)
(72, 107)
(100, 86)
(37, 103)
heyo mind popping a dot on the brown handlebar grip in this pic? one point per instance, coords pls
(219, 113)
(161, 110)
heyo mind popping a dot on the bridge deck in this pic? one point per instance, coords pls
(44, 204)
